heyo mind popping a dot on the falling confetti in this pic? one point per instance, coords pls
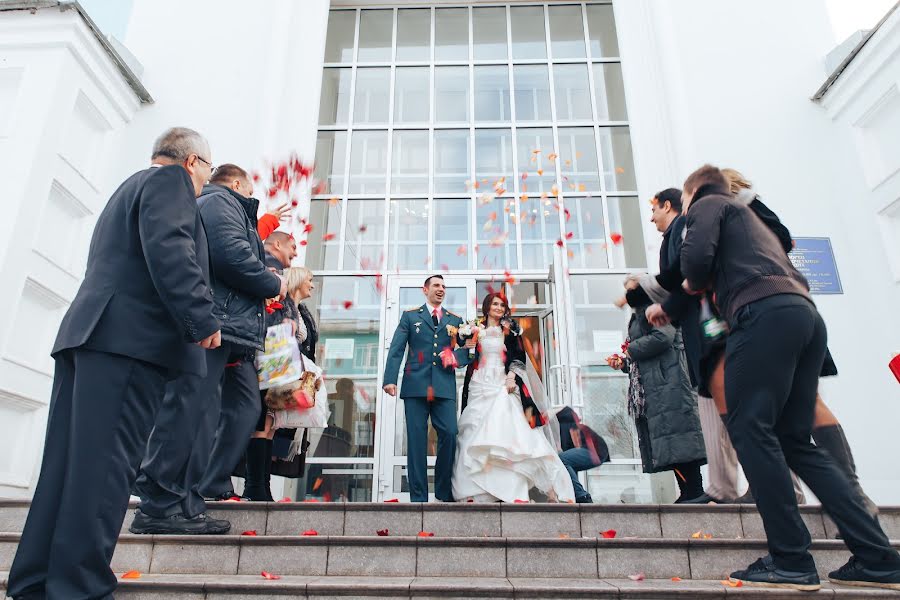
(328, 237)
(616, 238)
(620, 170)
(348, 304)
(318, 483)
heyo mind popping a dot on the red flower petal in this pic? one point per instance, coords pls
(131, 575)
(430, 394)
(382, 532)
(676, 579)
(616, 238)
(517, 501)
(348, 304)
(609, 533)
(249, 532)
(328, 237)
(285, 499)
(310, 532)
(393, 500)
(426, 534)
(317, 483)
(638, 577)
(267, 575)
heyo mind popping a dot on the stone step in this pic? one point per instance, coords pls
(243, 587)
(405, 556)
(494, 520)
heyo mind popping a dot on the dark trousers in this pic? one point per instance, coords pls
(575, 460)
(178, 453)
(443, 418)
(233, 418)
(773, 357)
(101, 411)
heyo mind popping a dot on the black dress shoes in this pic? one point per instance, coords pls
(704, 498)
(586, 499)
(178, 525)
(764, 573)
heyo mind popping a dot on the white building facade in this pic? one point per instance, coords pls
(404, 106)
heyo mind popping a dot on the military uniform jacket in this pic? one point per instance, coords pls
(424, 368)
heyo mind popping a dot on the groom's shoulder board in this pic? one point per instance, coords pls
(416, 309)
(453, 314)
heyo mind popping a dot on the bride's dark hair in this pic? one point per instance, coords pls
(489, 299)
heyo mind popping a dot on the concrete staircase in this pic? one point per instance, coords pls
(477, 551)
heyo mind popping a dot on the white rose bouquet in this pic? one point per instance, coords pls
(469, 329)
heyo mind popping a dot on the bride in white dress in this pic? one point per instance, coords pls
(502, 451)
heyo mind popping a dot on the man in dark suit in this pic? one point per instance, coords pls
(143, 312)
(429, 388)
(206, 421)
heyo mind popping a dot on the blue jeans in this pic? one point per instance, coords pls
(577, 459)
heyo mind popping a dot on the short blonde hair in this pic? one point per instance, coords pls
(736, 181)
(296, 276)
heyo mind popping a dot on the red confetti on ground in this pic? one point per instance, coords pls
(326, 497)
(676, 579)
(285, 499)
(392, 500)
(517, 501)
(131, 575)
(382, 532)
(234, 499)
(310, 532)
(736, 583)
(616, 238)
(426, 534)
(638, 577)
(251, 532)
(272, 576)
(347, 304)
(609, 533)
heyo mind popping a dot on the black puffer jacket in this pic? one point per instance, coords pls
(240, 280)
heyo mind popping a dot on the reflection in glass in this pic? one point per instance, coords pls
(372, 102)
(376, 29)
(451, 94)
(489, 34)
(625, 219)
(451, 34)
(413, 34)
(610, 92)
(496, 236)
(532, 91)
(331, 156)
(573, 98)
(528, 32)
(409, 174)
(492, 93)
(408, 246)
(337, 482)
(534, 146)
(589, 242)
(334, 103)
(339, 38)
(452, 234)
(494, 156)
(451, 160)
(566, 32)
(411, 97)
(326, 215)
(618, 160)
(364, 244)
(578, 159)
(602, 27)
(368, 162)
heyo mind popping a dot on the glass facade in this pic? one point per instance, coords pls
(492, 144)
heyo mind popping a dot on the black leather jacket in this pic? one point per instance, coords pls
(240, 279)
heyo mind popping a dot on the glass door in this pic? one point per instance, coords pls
(404, 293)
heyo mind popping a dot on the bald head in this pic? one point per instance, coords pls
(185, 147)
(282, 246)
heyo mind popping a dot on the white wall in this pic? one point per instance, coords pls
(246, 77)
(61, 100)
(732, 87)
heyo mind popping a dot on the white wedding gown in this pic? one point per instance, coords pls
(499, 456)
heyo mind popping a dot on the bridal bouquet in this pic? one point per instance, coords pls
(469, 329)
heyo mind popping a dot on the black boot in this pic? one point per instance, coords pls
(267, 480)
(832, 438)
(690, 481)
(255, 482)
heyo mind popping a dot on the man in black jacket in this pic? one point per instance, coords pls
(774, 353)
(205, 425)
(143, 312)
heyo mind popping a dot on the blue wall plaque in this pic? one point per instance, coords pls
(814, 258)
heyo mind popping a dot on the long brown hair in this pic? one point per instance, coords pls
(488, 300)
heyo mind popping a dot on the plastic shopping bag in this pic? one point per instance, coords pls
(314, 417)
(280, 362)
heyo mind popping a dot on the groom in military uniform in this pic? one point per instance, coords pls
(429, 387)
